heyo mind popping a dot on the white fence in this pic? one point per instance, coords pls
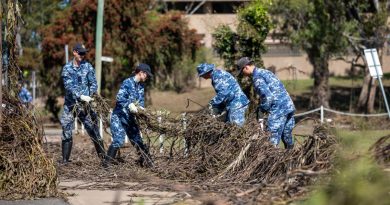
(321, 109)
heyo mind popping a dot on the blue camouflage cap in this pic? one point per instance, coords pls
(146, 68)
(204, 68)
(80, 48)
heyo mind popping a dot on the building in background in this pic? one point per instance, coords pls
(289, 63)
(206, 15)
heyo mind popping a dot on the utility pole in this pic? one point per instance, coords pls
(375, 68)
(99, 36)
(98, 52)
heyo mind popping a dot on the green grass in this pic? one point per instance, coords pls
(358, 142)
(298, 87)
(356, 179)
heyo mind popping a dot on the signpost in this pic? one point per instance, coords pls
(374, 66)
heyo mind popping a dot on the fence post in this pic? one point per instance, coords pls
(82, 129)
(101, 127)
(161, 136)
(184, 122)
(75, 125)
(322, 114)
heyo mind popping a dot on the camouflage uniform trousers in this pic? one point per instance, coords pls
(281, 127)
(237, 116)
(122, 126)
(90, 122)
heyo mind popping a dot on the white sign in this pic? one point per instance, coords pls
(373, 62)
(107, 59)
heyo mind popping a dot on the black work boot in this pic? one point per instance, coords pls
(289, 146)
(110, 157)
(144, 160)
(66, 150)
(99, 146)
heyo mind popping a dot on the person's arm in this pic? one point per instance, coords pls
(141, 93)
(29, 97)
(266, 96)
(69, 83)
(93, 86)
(125, 94)
(221, 86)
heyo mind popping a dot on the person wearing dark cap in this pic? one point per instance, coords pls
(274, 100)
(228, 96)
(130, 99)
(80, 84)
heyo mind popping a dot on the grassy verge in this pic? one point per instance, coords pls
(357, 179)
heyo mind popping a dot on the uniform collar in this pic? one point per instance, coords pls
(255, 71)
(133, 79)
(75, 66)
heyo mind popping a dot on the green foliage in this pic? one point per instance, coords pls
(184, 77)
(357, 179)
(252, 30)
(254, 25)
(225, 44)
(133, 32)
(321, 29)
(359, 182)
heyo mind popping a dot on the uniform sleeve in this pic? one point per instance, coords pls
(28, 96)
(69, 83)
(265, 94)
(221, 86)
(141, 93)
(21, 96)
(126, 94)
(92, 80)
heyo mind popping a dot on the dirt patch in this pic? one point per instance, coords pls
(223, 163)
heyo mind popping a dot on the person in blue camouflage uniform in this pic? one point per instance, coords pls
(80, 84)
(274, 99)
(25, 96)
(229, 95)
(130, 99)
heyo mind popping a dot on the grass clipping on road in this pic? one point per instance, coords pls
(218, 152)
(25, 170)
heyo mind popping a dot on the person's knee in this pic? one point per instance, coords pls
(117, 142)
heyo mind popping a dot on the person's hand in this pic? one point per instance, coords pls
(261, 123)
(259, 114)
(213, 111)
(86, 98)
(141, 108)
(133, 108)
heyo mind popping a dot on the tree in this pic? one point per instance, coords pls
(253, 27)
(371, 18)
(317, 27)
(133, 32)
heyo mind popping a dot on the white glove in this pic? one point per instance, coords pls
(141, 108)
(133, 108)
(261, 123)
(86, 98)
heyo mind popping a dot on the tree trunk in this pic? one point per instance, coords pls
(364, 93)
(371, 96)
(320, 95)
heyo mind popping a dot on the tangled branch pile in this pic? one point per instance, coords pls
(381, 150)
(25, 170)
(98, 109)
(213, 150)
